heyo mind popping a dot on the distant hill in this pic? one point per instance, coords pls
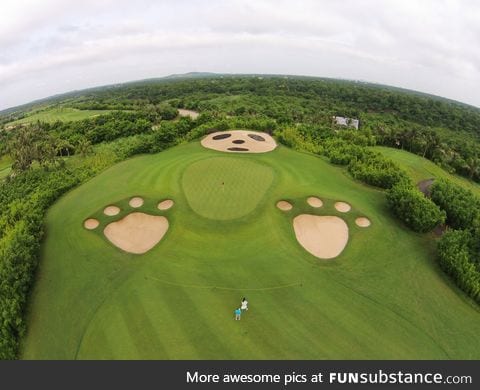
(200, 75)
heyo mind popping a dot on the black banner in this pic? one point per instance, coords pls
(240, 374)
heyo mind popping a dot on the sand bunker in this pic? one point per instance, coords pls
(190, 113)
(323, 236)
(315, 202)
(251, 141)
(137, 232)
(284, 205)
(136, 202)
(343, 207)
(111, 210)
(165, 204)
(363, 222)
(91, 223)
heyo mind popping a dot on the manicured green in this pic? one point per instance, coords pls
(64, 114)
(225, 188)
(420, 168)
(384, 297)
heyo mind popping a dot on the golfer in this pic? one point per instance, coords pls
(244, 304)
(238, 313)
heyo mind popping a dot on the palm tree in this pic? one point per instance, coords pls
(22, 149)
(63, 146)
(472, 164)
(84, 147)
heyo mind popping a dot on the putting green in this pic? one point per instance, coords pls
(383, 297)
(225, 188)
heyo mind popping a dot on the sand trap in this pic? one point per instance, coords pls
(111, 210)
(343, 207)
(91, 223)
(228, 141)
(284, 205)
(190, 113)
(136, 202)
(363, 222)
(323, 236)
(137, 232)
(315, 202)
(165, 204)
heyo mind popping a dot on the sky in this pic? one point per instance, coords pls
(54, 46)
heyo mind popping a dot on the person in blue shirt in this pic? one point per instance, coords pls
(238, 313)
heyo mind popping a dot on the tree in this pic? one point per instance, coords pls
(413, 208)
(461, 205)
(22, 149)
(63, 147)
(83, 147)
(472, 165)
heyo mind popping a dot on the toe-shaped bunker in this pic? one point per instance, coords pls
(342, 207)
(111, 210)
(315, 202)
(284, 205)
(363, 222)
(137, 232)
(136, 202)
(323, 236)
(165, 204)
(91, 223)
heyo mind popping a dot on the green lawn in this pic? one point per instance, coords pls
(5, 166)
(233, 186)
(382, 298)
(65, 114)
(420, 168)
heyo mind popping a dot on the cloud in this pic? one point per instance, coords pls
(52, 46)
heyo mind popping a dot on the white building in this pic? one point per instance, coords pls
(348, 122)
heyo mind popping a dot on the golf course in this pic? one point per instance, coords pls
(179, 237)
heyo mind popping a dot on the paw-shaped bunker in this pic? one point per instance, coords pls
(136, 231)
(323, 236)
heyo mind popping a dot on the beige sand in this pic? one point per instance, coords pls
(323, 236)
(284, 205)
(343, 207)
(137, 232)
(240, 141)
(91, 223)
(363, 222)
(315, 202)
(165, 204)
(190, 113)
(111, 210)
(136, 202)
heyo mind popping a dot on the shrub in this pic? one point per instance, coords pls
(413, 208)
(341, 152)
(23, 204)
(461, 205)
(455, 258)
(378, 171)
(291, 137)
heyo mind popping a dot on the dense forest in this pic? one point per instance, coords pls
(50, 158)
(443, 131)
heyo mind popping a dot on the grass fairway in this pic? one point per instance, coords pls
(65, 114)
(382, 298)
(420, 168)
